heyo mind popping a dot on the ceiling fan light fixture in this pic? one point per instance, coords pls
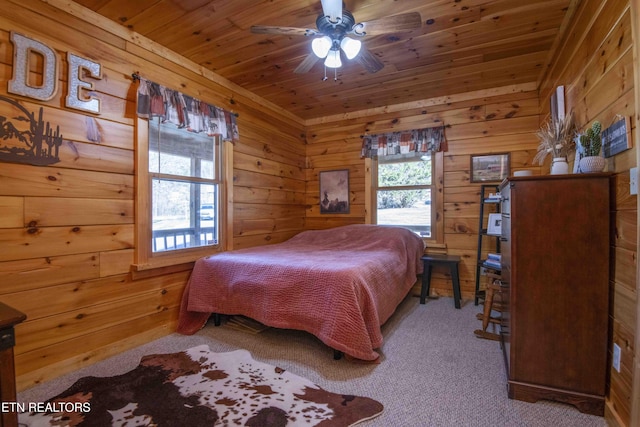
(321, 46)
(333, 59)
(351, 47)
(337, 31)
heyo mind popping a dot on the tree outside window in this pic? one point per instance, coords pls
(404, 193)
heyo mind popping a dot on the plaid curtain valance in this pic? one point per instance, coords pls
(417, 141)
(184, 111)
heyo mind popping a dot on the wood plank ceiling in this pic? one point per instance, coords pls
(463, 45)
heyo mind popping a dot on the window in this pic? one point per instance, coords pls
(184, 168)
(183, 193)
(184, 164)
(405, 193)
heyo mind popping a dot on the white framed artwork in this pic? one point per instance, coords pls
(494, 226)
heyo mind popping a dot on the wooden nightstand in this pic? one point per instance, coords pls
(9, 317)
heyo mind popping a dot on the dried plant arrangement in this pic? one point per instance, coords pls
(556, 139)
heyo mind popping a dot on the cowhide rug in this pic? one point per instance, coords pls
(199, 388)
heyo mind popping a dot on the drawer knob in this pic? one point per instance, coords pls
(7, 340)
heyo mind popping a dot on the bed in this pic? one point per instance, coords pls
(339, 284)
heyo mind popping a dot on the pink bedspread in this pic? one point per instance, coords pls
(339, 284)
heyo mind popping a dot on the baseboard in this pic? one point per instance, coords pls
(611, 416)
(79, 361)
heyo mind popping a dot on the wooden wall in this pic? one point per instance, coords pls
(635, 395)
(67, 230)
(595, 64)
(502, 120)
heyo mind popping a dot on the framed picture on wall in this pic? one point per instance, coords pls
(489, 167)
(334, 192)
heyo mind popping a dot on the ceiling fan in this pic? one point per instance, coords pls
(338, 31)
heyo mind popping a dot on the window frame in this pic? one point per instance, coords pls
(144, 257)
(437, 204)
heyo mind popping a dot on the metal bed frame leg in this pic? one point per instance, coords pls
(216, 319)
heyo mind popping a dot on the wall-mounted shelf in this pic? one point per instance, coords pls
(492, 203)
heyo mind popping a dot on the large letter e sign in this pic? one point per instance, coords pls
(24, 47)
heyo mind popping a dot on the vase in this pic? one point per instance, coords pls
(591, 164)
(559, 166)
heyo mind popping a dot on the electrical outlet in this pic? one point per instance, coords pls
(616, 357)
(633, 181)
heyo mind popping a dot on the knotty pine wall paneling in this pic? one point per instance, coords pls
(497, 121)
(595, 63)
(67, 229)
(635, 25)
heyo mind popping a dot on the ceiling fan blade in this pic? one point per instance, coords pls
(369, 61)
(289, 31)
(332, 9)
(389, 24)
(306, 64)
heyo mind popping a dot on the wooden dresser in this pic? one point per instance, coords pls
(9, 317)
(555, 276)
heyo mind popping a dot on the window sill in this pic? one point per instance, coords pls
(143, 271)
(171, 262)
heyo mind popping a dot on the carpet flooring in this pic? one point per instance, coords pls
(433, 370)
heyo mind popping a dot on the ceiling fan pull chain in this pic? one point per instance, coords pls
(325, 73)
(335, 74)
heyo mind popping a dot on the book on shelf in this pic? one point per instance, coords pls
(493, 198)
(491, 263)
